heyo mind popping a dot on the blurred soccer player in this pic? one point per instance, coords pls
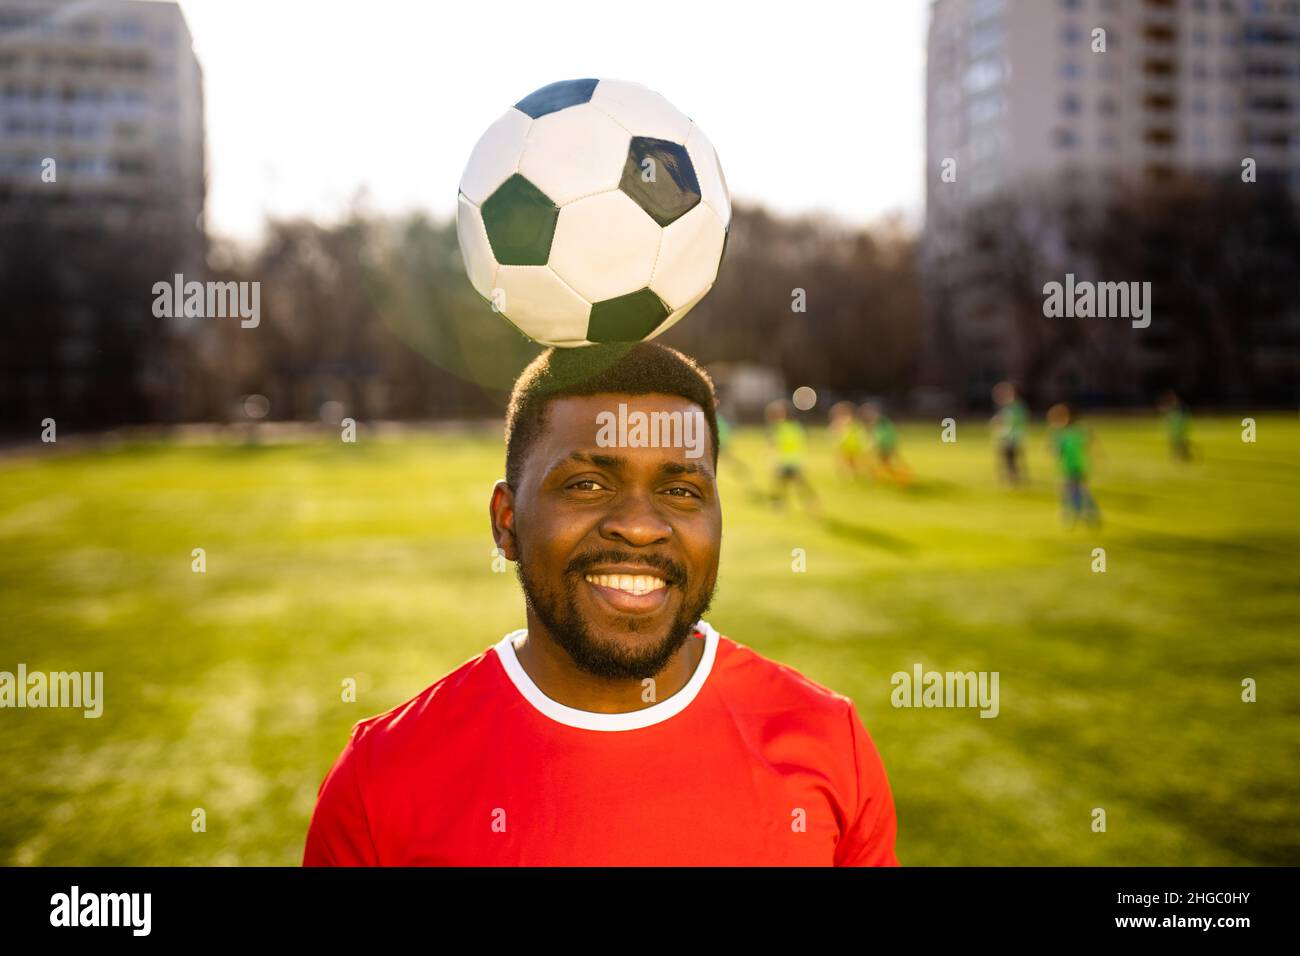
(1177, 426)
(790, 441)
(849, 438)
(727, 449)
(884, 436)
(618, 727)
(1070, 442)
(1010, 423)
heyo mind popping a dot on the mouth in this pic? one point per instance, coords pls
(629, 591)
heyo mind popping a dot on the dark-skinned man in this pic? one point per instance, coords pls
(618, 728)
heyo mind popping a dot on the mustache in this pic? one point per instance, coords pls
(671, 571)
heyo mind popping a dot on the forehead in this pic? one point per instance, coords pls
(587, 422)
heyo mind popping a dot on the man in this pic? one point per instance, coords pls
(618, 728)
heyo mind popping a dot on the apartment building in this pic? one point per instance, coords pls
(1075, 97)
(111, 91)
(102, 191)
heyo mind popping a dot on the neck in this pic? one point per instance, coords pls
(550, 667)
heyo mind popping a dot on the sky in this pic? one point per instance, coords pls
(812, 106)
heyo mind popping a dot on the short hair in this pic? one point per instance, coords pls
(624, 368)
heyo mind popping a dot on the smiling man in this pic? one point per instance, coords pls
(618, 728)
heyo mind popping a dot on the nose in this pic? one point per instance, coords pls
(633, 520)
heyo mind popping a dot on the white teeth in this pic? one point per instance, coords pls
(631, 583)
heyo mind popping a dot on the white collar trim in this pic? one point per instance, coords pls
(589, 720)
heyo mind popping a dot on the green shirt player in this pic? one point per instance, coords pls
(1010, 424)
(724, 432)
(1177, 424)
(885, 437)
(1069, 442)
(727, 450)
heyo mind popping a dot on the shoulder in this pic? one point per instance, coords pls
(773, 704)
(748, 678)
(448, 702)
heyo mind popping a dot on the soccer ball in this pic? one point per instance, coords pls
(593, 211)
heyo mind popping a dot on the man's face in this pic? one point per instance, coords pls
(616, 547)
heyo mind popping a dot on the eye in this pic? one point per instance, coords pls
(595, 485)
(686, 492)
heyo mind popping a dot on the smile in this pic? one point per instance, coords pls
(637, 584)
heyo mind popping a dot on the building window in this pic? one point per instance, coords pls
(1065, 138)
(983, 74)
(985, 38)
(1271, 34)
(985, 108)
(1271, 103)
(1161, 102)
(128, 30)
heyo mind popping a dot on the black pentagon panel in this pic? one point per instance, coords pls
(666, 187)
(520, 221)
(629, 318)
(556, 96)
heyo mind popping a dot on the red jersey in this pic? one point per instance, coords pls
(749, 764)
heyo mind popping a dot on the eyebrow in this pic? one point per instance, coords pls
(618, 463)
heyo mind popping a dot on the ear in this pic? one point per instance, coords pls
(501, 512)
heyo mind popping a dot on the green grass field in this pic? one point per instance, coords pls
(373, 561)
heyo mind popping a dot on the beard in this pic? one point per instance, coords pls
(557, 609)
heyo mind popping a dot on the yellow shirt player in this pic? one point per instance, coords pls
(788, 438)
(850, 438)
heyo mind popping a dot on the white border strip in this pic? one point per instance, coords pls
(589, 720)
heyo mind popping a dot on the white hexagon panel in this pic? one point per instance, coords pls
(689, 256)
(574, 153)
(605, 246)
(552, 309)
(480, 265)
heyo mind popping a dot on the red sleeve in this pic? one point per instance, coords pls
(339, 834)
(869, 839)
